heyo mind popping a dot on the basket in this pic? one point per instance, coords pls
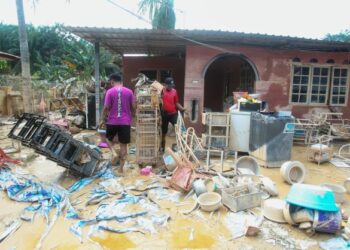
(241, 198)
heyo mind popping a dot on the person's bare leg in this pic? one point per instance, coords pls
(122, 156)
(114, 157)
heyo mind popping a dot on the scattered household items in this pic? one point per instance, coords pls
(216, 137)
(293, 172)
(199, 187)
(338, 190)
(66, 103)
(240, 130)
(321, 151)
(313, 197)
(183, 176)
(189, 146)
(4, 159)
(169, 161)
(342, 157)
(146, 170)
(315, 210)
(241, 197)
(57, 145)
(269, 186)
(327, 222)
(321, 123)
(270, 143)
(247, 102)
(247, 165)
(273, 210)
(148, 123)
(209, 201)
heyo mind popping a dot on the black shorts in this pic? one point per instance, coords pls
(166, 118)
(123, 132)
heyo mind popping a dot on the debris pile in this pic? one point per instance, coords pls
(56, 144)
(148, 121)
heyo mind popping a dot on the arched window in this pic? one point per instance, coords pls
(296, 59)
(346, 62)
(313, 60)
(330, 61)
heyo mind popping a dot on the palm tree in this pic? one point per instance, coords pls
(161, 13)
(23, 44)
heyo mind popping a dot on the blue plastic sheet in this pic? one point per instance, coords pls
(45, 196)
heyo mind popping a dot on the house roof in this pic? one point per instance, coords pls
(162, 42)
(8, 57)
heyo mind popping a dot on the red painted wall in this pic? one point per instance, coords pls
(133, 65)
(273, 68)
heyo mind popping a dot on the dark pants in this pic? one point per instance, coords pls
(166, 118)
(122, 131)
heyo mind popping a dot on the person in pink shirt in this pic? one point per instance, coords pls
(117, 115)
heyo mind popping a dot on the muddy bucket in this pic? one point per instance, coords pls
(247, 164)
(293, 172)
(327, 222)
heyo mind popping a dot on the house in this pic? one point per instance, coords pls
(297, 74)
(8, 57)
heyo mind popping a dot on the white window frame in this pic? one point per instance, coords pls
(291, 84)
(329, 93)
(346, 86)
(327, 86)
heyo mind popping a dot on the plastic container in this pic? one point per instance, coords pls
(293, 172)
(287, 213)
(312, 196)
(170, 163)
(248, 198)
(146, 170)
(199, 187)
(338, 190)
(209, 201)
(327, 222)
(248, 162)
(273, 210)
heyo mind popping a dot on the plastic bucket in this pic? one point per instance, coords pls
(338, 190)
(327, 222)
(312, 196)
(248, 163)
(293, 172)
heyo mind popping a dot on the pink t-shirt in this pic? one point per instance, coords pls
(119, 100)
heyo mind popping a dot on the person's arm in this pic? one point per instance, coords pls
(106, 108)
(178, 105)
(105, 112)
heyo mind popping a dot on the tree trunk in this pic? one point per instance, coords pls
(25, 64)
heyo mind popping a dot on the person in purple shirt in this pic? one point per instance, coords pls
(117, 115)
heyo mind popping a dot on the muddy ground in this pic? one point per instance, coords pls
(208, 230)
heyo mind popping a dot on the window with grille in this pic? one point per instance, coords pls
(319, 84)
(339, 86)
(300, 85)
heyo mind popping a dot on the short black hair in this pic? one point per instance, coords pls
(115, 77)
(169, 81)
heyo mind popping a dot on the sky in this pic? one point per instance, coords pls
(299, 18)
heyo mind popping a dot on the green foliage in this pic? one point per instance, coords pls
(55, 54)
(341, 37)
(161, 13)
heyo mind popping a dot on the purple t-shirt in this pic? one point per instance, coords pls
(119, 100)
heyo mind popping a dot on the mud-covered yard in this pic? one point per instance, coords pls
(194, 230)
